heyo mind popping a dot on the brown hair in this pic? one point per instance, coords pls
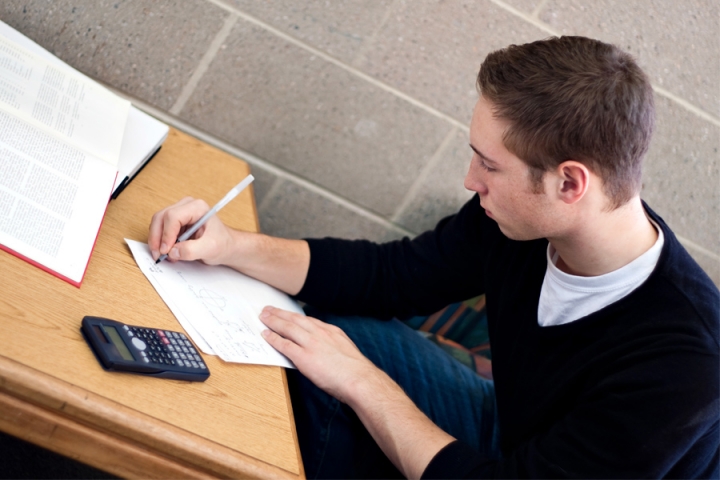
(573, 98)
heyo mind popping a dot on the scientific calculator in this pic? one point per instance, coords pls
(145, 351)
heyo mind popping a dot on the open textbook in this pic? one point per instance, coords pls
(217, 306)
(66, 143)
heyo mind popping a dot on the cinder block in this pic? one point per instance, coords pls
(441, 193)
(295, 212)
(682, 174)
(433, 50)
(339, 28)
(675, 42)
(289, 107)
(146, 49)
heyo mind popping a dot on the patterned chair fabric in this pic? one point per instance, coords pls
(460, 330)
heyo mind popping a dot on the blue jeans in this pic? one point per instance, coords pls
(333, 441)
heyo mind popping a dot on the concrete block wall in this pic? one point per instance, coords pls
(354, 113)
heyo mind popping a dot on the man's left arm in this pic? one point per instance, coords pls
(326, 356)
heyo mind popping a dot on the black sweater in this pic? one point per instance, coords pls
(631, 390)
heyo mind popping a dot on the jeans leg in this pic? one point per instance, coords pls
(333, 441)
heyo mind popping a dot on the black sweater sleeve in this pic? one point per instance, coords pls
(457, 460)
(405, 277)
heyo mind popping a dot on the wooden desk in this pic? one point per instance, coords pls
(54, 393)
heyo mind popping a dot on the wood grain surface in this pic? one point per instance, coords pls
(54, 393)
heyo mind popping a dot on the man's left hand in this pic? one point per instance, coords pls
(322, 352)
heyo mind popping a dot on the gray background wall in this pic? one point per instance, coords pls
(354, 113)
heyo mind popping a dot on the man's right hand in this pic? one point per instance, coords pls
(210, 244)
(279, 262)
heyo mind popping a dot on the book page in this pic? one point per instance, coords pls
(53, 197)
(218, 307)
(62, 103)
(143, 133)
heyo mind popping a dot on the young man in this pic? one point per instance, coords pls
(604, 331)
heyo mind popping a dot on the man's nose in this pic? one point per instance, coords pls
(474, 181)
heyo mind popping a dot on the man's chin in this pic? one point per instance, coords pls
(517, 236)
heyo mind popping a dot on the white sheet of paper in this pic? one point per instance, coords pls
(217, 306)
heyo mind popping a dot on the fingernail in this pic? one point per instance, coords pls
(174, 254)
(155, 254)
(163, 247)
(264, 314)
(265, 333)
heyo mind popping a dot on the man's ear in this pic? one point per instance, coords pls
(574, 181)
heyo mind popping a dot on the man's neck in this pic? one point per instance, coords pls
(606, 242)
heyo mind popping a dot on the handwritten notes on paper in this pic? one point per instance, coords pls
(217, 306)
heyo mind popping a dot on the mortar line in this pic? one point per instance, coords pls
(687, 105)
(270, 193)
(536, 11)
(528, 18)
(689, 244)
(424, 173)
(344, 66)
(205, 62)
(265, 165)
(371, 40)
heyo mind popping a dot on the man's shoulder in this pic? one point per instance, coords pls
(681, 284)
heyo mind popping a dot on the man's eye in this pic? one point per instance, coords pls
(485, 166)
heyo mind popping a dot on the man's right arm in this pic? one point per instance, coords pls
(279, 262)
(348, 277)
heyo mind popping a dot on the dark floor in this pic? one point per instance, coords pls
(19, 459)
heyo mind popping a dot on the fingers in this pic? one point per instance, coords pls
(166, 224)
(287, 347)
(293, 326)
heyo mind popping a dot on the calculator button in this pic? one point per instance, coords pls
(183, 356)
(202, 365)
(197, 358)
(165, 341)
(175, 355)
(185, 349)
(173, 341)
(139, 344)
(195, 364)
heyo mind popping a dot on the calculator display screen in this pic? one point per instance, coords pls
(118, 342)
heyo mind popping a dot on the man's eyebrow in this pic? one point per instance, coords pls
(481, 155)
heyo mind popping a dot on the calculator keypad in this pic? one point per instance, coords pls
(168, 348)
